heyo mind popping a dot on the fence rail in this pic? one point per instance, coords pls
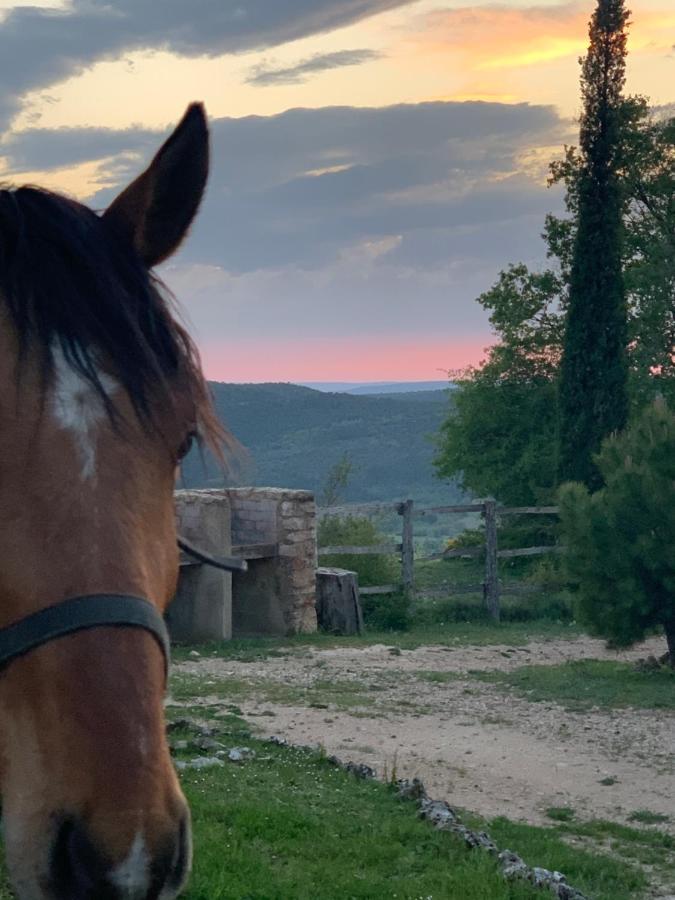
(491, 588)
(367, 550)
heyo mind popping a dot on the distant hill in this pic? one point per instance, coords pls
(377, 387)
(295, 435)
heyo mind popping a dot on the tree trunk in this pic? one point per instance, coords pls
(338, 609)
(669, 628)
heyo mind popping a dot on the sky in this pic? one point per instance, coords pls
(375, 162)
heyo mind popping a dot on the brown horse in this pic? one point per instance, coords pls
(101, 394)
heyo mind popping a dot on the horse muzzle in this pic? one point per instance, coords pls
(79, 869)
(72, 862)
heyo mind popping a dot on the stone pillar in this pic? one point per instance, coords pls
(202, 607)
(296, 525)
(278, 593)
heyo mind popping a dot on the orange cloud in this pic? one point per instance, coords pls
(493, 37)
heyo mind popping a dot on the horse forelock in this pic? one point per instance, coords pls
(77, 294)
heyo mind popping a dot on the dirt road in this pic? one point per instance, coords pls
(477, 746)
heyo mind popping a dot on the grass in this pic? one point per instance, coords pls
(650, 848)
(545, 602)
(593, 869)
(340, 694)
(246, 809)
(450, 634)
(436, 677)
(289, 824)
(583, 684)
(561, 813)
(603, 859)
(647, 817)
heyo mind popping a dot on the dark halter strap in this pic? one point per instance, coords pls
(98, 610)
(227, 563)
(78, 613)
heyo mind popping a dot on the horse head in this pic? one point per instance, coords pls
(101, 394)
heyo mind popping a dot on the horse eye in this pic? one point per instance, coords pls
(186, 446)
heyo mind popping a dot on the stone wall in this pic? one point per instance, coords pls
(202, 607)
(278, 594)
(275, 529)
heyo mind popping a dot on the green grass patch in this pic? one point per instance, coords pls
(436, 677)
(544, 602)
(597, 872)
(561, 813)
(647, 817)
(341, 694)
(583, 684)
(650, 848)
(451, 634)
(288, 824)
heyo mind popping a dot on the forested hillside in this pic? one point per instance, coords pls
(295, 435)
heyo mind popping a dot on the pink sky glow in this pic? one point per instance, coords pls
(342, 359)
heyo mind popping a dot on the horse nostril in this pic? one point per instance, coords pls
(180, 859)
(78, 870)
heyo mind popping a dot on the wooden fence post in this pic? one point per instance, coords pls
(407, 546)
(491, 583)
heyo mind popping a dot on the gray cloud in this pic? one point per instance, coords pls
(264, 75)
(39, 47)
(298, 188)
(45, 149)
(343, 220)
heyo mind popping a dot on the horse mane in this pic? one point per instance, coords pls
(70, 282)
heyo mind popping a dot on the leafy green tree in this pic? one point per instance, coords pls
(620, 541)
(594, 368)
(337, 481)
(646, 172)
(500, 434)
(489, 438)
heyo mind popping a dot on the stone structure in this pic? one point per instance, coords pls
(275, 531)
(278, 593)
(202, 607)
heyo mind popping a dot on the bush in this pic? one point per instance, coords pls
(620, 541)
(353, 531)
(386, 612)
(531, 608)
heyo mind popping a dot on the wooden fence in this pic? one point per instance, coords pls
(490, 586)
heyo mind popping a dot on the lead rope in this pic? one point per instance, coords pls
(226, 563)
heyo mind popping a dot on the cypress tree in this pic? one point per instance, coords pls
(593, 380)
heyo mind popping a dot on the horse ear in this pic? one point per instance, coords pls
(156, 210)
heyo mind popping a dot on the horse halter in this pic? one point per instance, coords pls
(97, 610)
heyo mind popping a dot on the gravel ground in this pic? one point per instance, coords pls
(470, 742)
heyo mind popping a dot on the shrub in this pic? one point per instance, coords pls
(358, 531)
(620, 556)
(386, 612)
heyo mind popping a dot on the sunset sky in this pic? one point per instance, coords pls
(375, 162)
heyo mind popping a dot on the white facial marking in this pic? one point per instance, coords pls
(132, 876)
(78, 408)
